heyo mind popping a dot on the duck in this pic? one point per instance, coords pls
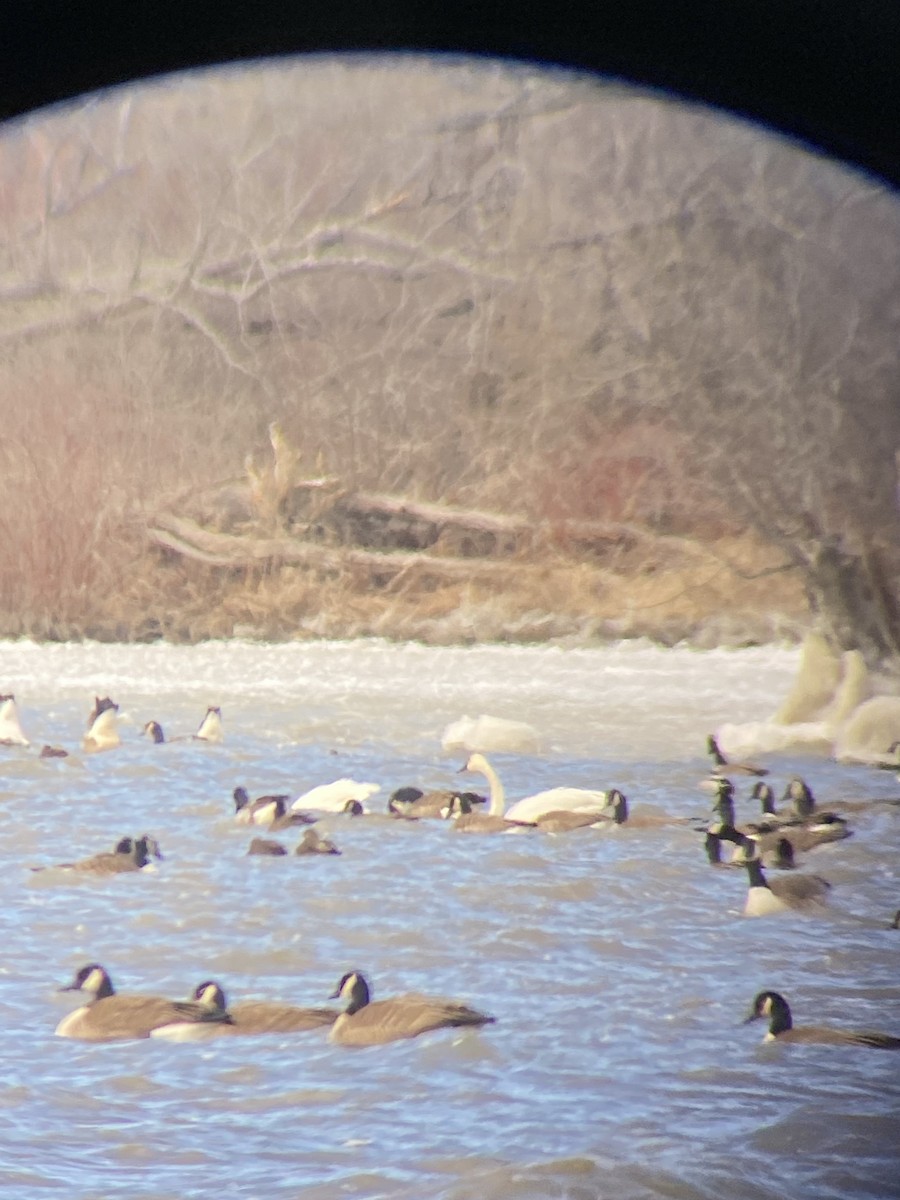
(365, 1022)
(154, 731)
(334, 797)
(110, 1016)
(459, 810)
(313, 843)
(772, 1005)
(724, 766)
(103, 729)
(531, 807)
(267, 846)
(801, 893)
(10, 727)
(247, 1017)
(48, 751)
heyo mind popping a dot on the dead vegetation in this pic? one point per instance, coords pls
(523, 357)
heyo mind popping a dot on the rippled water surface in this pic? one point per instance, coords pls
(616, 963)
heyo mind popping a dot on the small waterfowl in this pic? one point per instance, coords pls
(129, 854)
(109, 1016)
(334, 797)
(103, 728)
(154, 731)
(724, 766)
(772, 1005)
(313, 843)
(370, 1023)
(261, 811)
(10, 727)
(248, 1017)
(53, 752)
(267, 846)
(799, 892)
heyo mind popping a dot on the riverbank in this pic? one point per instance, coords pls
(729, 591)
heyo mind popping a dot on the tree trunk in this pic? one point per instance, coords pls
(854, 597)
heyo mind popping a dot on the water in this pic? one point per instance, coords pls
(617, 964)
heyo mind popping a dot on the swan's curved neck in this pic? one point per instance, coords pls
(497, 806)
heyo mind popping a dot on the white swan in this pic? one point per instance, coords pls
(570, 799)
(10, 730)
(334, 797)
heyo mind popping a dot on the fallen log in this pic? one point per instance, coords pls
(191, 541)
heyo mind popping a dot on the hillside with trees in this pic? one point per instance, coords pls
(441, 350)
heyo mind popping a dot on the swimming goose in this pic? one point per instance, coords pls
(10, 728)
(532, 806)
(723, 766)
(414, 804)
(129, 854)
(723, 803)
(103, 730)
(248, 1017)
(781, 1027)
(779, 856)
(109, 1016)
(801, 799)
(369, 1023)
(333, 797)
(802, 893)
(804, 833)
(266, 846)
(312, 843)
(459, 810)
(154, 731)
(210, 729)
(261, 811)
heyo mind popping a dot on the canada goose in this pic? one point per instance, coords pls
(566, 820)
(368, 1023)
(10, 728)
(312, 843)
(405, 803)
(459, 810)
(723, 804)
(802, 801)
(779, 856)
(266, 846)
(261, 811)
(803, 893)
(154, 731)
(532, 806)
(333, 797)
(724, 766)
(895, 924)
(211, 727)
(109, 1016)
(248, 1017)
(103, 731)
(781, 1027)
(129, 854)
(804, 833)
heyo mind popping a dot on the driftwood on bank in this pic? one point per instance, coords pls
(319, 525)
(191, 541)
